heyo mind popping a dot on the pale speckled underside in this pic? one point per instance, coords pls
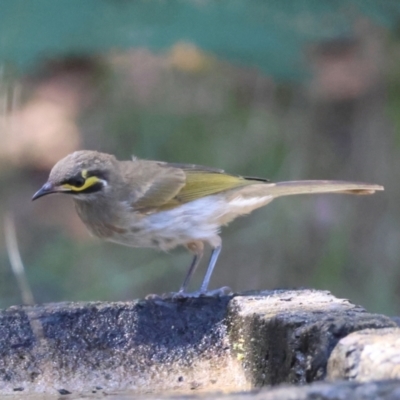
(197, 220)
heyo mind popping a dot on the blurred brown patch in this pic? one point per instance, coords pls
(347, 68)
(43, 129)
(189, 58)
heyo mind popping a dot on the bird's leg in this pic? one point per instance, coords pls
(197, 248)
(216, 244)
(210, 268)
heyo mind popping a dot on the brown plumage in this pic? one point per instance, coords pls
(144, 203)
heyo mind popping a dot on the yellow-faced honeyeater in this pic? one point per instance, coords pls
(143, 203)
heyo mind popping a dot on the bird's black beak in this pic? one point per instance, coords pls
(47, 188)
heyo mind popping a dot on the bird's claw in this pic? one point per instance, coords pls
(223, 291)
(153, 296)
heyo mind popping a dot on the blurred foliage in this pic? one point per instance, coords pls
(270, 35)
(313, 93)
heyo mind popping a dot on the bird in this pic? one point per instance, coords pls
(156, 204)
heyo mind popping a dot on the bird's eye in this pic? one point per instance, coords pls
(77, 181)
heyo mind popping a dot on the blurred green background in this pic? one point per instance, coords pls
(294, 89)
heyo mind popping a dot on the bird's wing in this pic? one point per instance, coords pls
(152, 185)
(161, 186)
(194, 168)
(205, 183)
(191, 167)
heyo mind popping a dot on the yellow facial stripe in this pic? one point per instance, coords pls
(92, 180)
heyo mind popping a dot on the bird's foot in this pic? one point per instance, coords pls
(223, 291)
(153, 296)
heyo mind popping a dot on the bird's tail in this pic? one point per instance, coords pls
(248, 198)
(314, 187)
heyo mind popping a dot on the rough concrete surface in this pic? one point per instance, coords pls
(287, 336)
(367, 355)
(383, 390)
(376, 390)
(142, 346)
(229, 344)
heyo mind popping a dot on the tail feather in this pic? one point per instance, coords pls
(311, 187)
(246, 199)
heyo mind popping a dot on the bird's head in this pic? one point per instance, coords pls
(82, 174)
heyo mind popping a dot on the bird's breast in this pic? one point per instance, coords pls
(196, 220)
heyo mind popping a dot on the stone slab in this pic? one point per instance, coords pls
(288, 336)
(375, 390)
(366, 355)
(181, 346)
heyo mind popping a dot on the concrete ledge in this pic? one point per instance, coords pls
(367, 355)
(180, 346)
(288, 336)
(382, 390)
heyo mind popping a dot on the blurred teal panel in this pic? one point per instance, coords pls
(269, 35)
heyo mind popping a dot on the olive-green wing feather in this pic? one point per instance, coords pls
(204, 183)
(152, 185)
(161, 186)
(188, 168)
(192, 167)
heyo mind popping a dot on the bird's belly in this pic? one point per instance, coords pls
(197, 220)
